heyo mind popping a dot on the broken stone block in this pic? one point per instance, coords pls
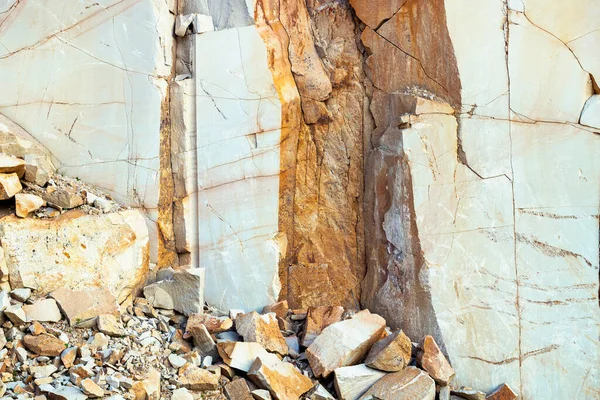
(409, 384)
(44, 345)
(391, 353)
(212, 323)
(202, 340)
(241, 355)
(504, 392)
(21, 294)
(261, 394)
(26, 203)
(353, 381)
(9, 186)
(15, 314)
(590, 115)
(184, 292)
(182, 22)
(118, 242)
(91, 389)
(321, 393)
(203, 23)
(176, 361)
(238, 390)
(68, 356)
(63, 197)
(317, 319)
(181, 394)
(328, 352)
(262, 329)
(4, 300)
(431, 359)
(281, 379)
(85, 306)
(110, 325)
(42, 310)
(468, 393)
(10, 164)
(280, 309)
(151, 385)
(195, 378)
(38, 169)
(65, 393)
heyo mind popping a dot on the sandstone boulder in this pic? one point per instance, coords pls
(10, 164)
(504, 392)
(81, 307)
(44, 345)
(16, 314)
(280, 309)
(344, 343)
(110, 325)
(317, 319)
(432, 360)
(467, 393)
(42, 310)
(195, 378)
(63, 197)
(202, 340)
(238, 390)
(9, 185)
(280, 378)
(241, 355)
(353, 381)
(408, 384)
(262, 329)
(26, 203)
(184, 292)
(91, 388)
(391, 353)
(212, 323)
(77, 252)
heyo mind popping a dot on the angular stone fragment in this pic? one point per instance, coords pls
(431, 359)
(202, 340)
(44, 345)
(238, 390)
(65, 393)
(91, 389)
(321, 393)
(118, 242)
(280, 378)
(9, 186)
(280, 309)
(184, 292)
(110, 325)
(213, 323)
(21, 294)
(84, 306)
(195, 378)
(16, 314)
(261, 394)
(468, 393)
(391, 353)
(181, 394)
(68, 356)
(352, 382)
(408, 384)
(241, 355)
(373, 12)
(504, 392)
(26, 203)
(42, 310)
(590, 115)
(3, 340)
(344, 343)
(10, 164)
(4, 300)
(150, 387)
(317, 319)
(262, 329)
(63, 197)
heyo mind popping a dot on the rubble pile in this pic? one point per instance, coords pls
(78, 345)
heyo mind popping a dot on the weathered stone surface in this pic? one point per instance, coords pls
(468, 393)
(262, 329)
(391, 353)
(44, 345)
(91, 389)
(181, 394)
(16, 314)
(80, 307)
(117, 242)
(202, 339)
(68, 356)
(238, 390)
(212, 323)
(110, 325)
(280, 378)
(432, 360)
(321, 393)
(280, 309)
(344, 343)
(195, 378)
(373, 13)
(408, 384)
(352, 382)
(42, 310)
(317, 319)
(9, 164)
(184, 292)
(241, 355)
(21, 294)
(9, 185)
(590, 115)
(504, 392)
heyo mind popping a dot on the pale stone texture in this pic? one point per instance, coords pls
(590, 115)
(88, 82)
(408, 384)
(117, 242)
(237, 109)
(280, 378)
(353, 381)
(183, 292)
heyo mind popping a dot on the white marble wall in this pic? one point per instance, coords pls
(510, 232)
(86, 78)
(238, 116)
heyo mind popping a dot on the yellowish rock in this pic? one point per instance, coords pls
(262, 329)
(9, 185)
(431, 359)
(391, 353)
(26, 203)
(195, 378)
(280, 378)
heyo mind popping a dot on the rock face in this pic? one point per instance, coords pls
(103, 251)
(344, 343)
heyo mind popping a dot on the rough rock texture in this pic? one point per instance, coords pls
(262, 329)
(67, 252)
(390, 354)
(80, 307)
(408, 384)
(344, 343)
(431, 359)
(317, 319)
(281, 379)
(183, 291)
(44, 345)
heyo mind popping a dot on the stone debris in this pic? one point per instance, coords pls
(82, 344)
(9, 186)
(26, 203)
(390, 354)
(352, 382)
(432, 360)
(183, 292)
(360, 332)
